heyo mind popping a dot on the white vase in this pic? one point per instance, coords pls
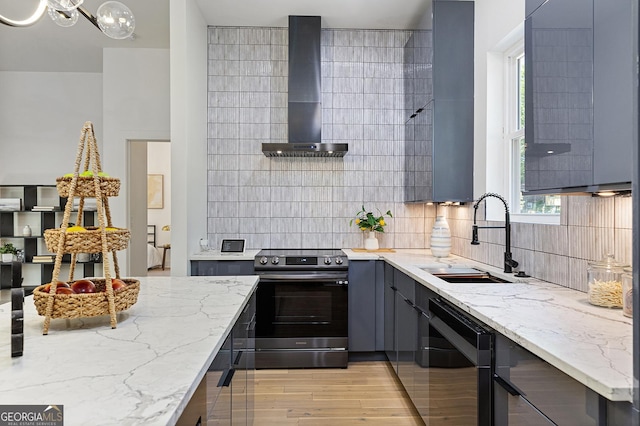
(7, 257)
(440, 238)
(371, 242)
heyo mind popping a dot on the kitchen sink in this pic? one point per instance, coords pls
(465, 275)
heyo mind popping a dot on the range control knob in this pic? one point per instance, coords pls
(338, 261)
(275, 260)
(327, 261)
(263, 260)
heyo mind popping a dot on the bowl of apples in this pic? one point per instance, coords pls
(85, 184)
(86, 297)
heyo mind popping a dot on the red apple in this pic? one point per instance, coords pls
(64, 290)
(83, 286)
(117, 284)
(47, 287)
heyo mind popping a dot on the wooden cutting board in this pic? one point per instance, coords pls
(380, 250)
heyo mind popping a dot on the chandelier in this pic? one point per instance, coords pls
(113, 18)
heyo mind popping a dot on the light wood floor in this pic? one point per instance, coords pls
(365, 393)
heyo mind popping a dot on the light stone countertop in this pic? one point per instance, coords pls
(216, 255)
(589, 343)
(142, 372)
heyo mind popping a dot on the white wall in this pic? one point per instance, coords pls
(136, 106)
(41, 116)
(188, 132)
(495, 22)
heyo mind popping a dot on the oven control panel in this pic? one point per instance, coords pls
(301, 260)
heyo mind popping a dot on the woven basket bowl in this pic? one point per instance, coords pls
(89, 241)
(85, 186)
(87, 304)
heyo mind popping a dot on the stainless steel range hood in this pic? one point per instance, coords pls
(305, 96)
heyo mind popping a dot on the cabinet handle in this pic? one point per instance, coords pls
(409, 302)
(420, 310)
(507, 386)
(225, 379)
(238, 356)
(252, 323)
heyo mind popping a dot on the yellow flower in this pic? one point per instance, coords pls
(357, 221)
(382, 222)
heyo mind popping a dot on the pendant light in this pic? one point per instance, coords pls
(113, 18)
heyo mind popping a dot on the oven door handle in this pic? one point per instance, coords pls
(331, 278)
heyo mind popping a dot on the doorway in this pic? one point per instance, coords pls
(149, 207)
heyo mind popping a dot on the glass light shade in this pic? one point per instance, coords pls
(61, 18)
(35, 17)
(115, 20)
(65, 4)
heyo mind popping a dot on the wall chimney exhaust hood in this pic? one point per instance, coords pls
(305, 96)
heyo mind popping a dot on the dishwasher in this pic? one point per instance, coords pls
(461, 383)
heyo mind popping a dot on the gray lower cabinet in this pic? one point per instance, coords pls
(229, 381)
(530, 391)
(407, 335)
(406, 329)
(390, 345)
(362, 306)
(222, 267)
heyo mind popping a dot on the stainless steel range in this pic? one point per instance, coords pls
(301, 312)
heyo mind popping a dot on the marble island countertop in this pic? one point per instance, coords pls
(589, 343)
(142, 372)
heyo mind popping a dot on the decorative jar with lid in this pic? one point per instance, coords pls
(605, 282)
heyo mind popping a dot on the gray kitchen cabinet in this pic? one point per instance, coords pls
(230, 377)
(530, 391)
(407, 335)
(439, 105)
(578, 100)
(222, 267)
(362, 306)
(390, 345)
(420, 395)
(406, 329)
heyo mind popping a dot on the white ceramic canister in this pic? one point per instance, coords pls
(440, 238)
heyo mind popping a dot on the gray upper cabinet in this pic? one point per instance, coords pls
(578, 94)
(613, 91)
(439, 105)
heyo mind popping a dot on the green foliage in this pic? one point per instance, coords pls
(8, 248)
(366, 221)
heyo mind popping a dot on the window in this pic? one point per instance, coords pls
(514, 139)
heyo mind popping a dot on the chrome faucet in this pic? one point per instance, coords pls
(509, 263)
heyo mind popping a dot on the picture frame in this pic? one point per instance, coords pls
(155, 191)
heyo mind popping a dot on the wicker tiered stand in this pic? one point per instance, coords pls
(103, 239)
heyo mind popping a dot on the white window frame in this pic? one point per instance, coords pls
(511, 134)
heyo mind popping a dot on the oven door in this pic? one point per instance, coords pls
(301, 320)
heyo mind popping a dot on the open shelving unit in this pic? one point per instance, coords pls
(12, 222)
